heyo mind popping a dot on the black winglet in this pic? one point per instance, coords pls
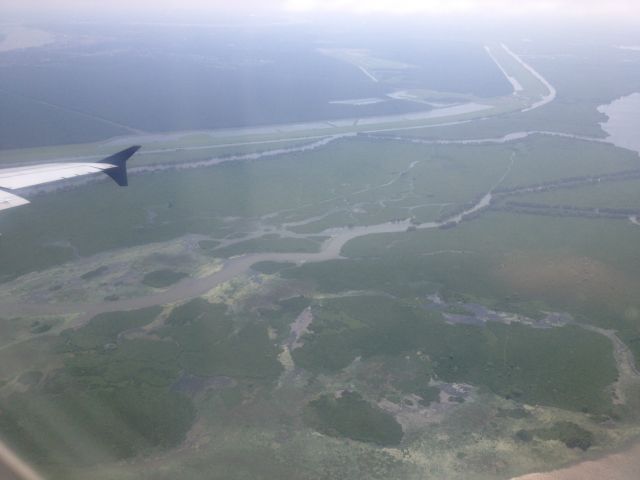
(119, 172)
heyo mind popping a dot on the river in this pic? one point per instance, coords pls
(330, 249)
(233, 267)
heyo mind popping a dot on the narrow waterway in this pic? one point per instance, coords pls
(330, 249)
(233, 267)
(317, 143)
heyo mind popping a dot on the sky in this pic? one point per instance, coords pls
(506, 7)
(579, 8)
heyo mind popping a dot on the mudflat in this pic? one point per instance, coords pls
(617, 466)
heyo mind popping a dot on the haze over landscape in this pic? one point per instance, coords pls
(369, 240)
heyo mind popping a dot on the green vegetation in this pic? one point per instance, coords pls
(38, 327)
(579, 119)
(537, 160)
(163, 278)
(568, 264)
(39, 123)
(85, 426)
(212, 343)
(336, 219)
(18, 329)
(270, 243)
(407, 374)
(350, 416)
(25, 356)
(30, 379)
(367, 172)
(208, 244)
(232, 397)
(572, 435)
(284, 313)
(98, 272)
(621, 194)
(576, 107)
(529, 365)
(357, 171)
(271, 268)
(516, 413)
(427, 394)
(100, 398)
(457, 310)
(150, 362)
(104, 329)
(110, 400)
(200, 309)
(402, 277)
(532, 365)
(523, 436)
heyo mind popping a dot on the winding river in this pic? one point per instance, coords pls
(330, 249)
(233, 267)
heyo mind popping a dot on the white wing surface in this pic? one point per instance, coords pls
(21, 177)
(9, 200)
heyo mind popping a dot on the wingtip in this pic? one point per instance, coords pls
(119, 160)
(128, 152)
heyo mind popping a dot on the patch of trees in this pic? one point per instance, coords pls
(569, 433)
(349, 415)
(566, 210)
(568, 182)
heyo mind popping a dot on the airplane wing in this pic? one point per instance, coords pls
(21, 177)
(9, 200)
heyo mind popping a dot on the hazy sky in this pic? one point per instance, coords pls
(594, 8)
(510, 7)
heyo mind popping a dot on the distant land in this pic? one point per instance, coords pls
(120, 81)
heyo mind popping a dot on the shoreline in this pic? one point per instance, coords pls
(621, 464)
